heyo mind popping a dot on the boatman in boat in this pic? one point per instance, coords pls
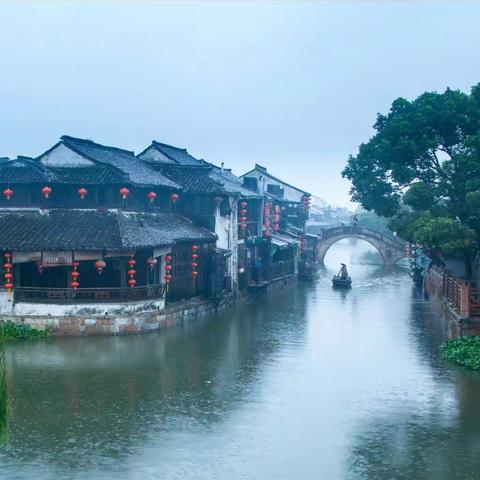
(343, 274)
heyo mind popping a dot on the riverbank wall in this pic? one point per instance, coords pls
(137, 317)
(451, 298)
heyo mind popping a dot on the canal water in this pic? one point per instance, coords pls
(311, 383)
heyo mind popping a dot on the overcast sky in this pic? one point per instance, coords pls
(294, 86)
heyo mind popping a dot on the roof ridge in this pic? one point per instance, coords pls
(155, 143)
(68, 138)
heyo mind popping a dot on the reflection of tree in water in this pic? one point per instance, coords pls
(4, 405)
(88, 401)
(435, 441)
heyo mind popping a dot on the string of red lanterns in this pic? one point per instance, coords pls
(75, 274)
(195, 258)
(168, 270)
(276, 218)
(131, 271)
(8, 272)
(243, 215)
(267, 211)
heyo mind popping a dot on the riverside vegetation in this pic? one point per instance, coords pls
(12, 331)
(464, 351)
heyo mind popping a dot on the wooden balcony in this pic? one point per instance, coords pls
(88, 295)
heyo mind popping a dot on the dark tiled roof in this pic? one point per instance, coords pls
(178, 155)
(195, 179)
(89, 175)
(23, 171)
(231, 183)
(58, 230)
(124, 160)
(64, 229)
(156, 229)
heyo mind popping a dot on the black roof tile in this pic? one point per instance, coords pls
(71, 229)
(124, 160)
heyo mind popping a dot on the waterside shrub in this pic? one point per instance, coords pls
(12, 331)
(464, 351)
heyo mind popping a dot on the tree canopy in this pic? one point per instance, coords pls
(422, 168)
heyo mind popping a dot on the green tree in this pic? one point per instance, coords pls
(422, 167)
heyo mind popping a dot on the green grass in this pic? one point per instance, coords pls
(12, 331)
(464, 351)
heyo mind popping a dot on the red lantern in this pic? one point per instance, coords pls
(8, 276)
(9, 286)
(75, 274)
(132, 272)
(83, 192)
(266, 212)
(8, 193)
(243, 226)
(277, 209)
(132, 282)
(75, 264)
(276, 218)
(124, 192)
(168, 277)
(151, 196)
(194, 256)
(174, 197)
(75, 284)
(100, 265)
(7, 266)
(46, 191)
(267, 223)
(243, 204)
(195, 247)
(243, 213)
(194, 274)
(243, 219)
(168, 268)
(152, 261)
(168, 258)
(132, 262)
(194, 264)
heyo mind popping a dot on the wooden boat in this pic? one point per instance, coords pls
(341, 282)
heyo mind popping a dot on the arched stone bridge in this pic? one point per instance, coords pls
(390, 248)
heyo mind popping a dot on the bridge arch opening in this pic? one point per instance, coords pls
(352, 250)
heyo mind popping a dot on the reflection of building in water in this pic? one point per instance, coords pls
(116, 392)
(4, 405)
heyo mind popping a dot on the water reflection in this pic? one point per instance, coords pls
(106, 396)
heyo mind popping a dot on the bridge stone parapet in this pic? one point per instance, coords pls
(391, 248)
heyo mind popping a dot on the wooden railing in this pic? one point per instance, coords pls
(88, 295)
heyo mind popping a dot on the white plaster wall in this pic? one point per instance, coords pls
(62, 156)
(227, 232)
(151, 154)
(43, 309)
